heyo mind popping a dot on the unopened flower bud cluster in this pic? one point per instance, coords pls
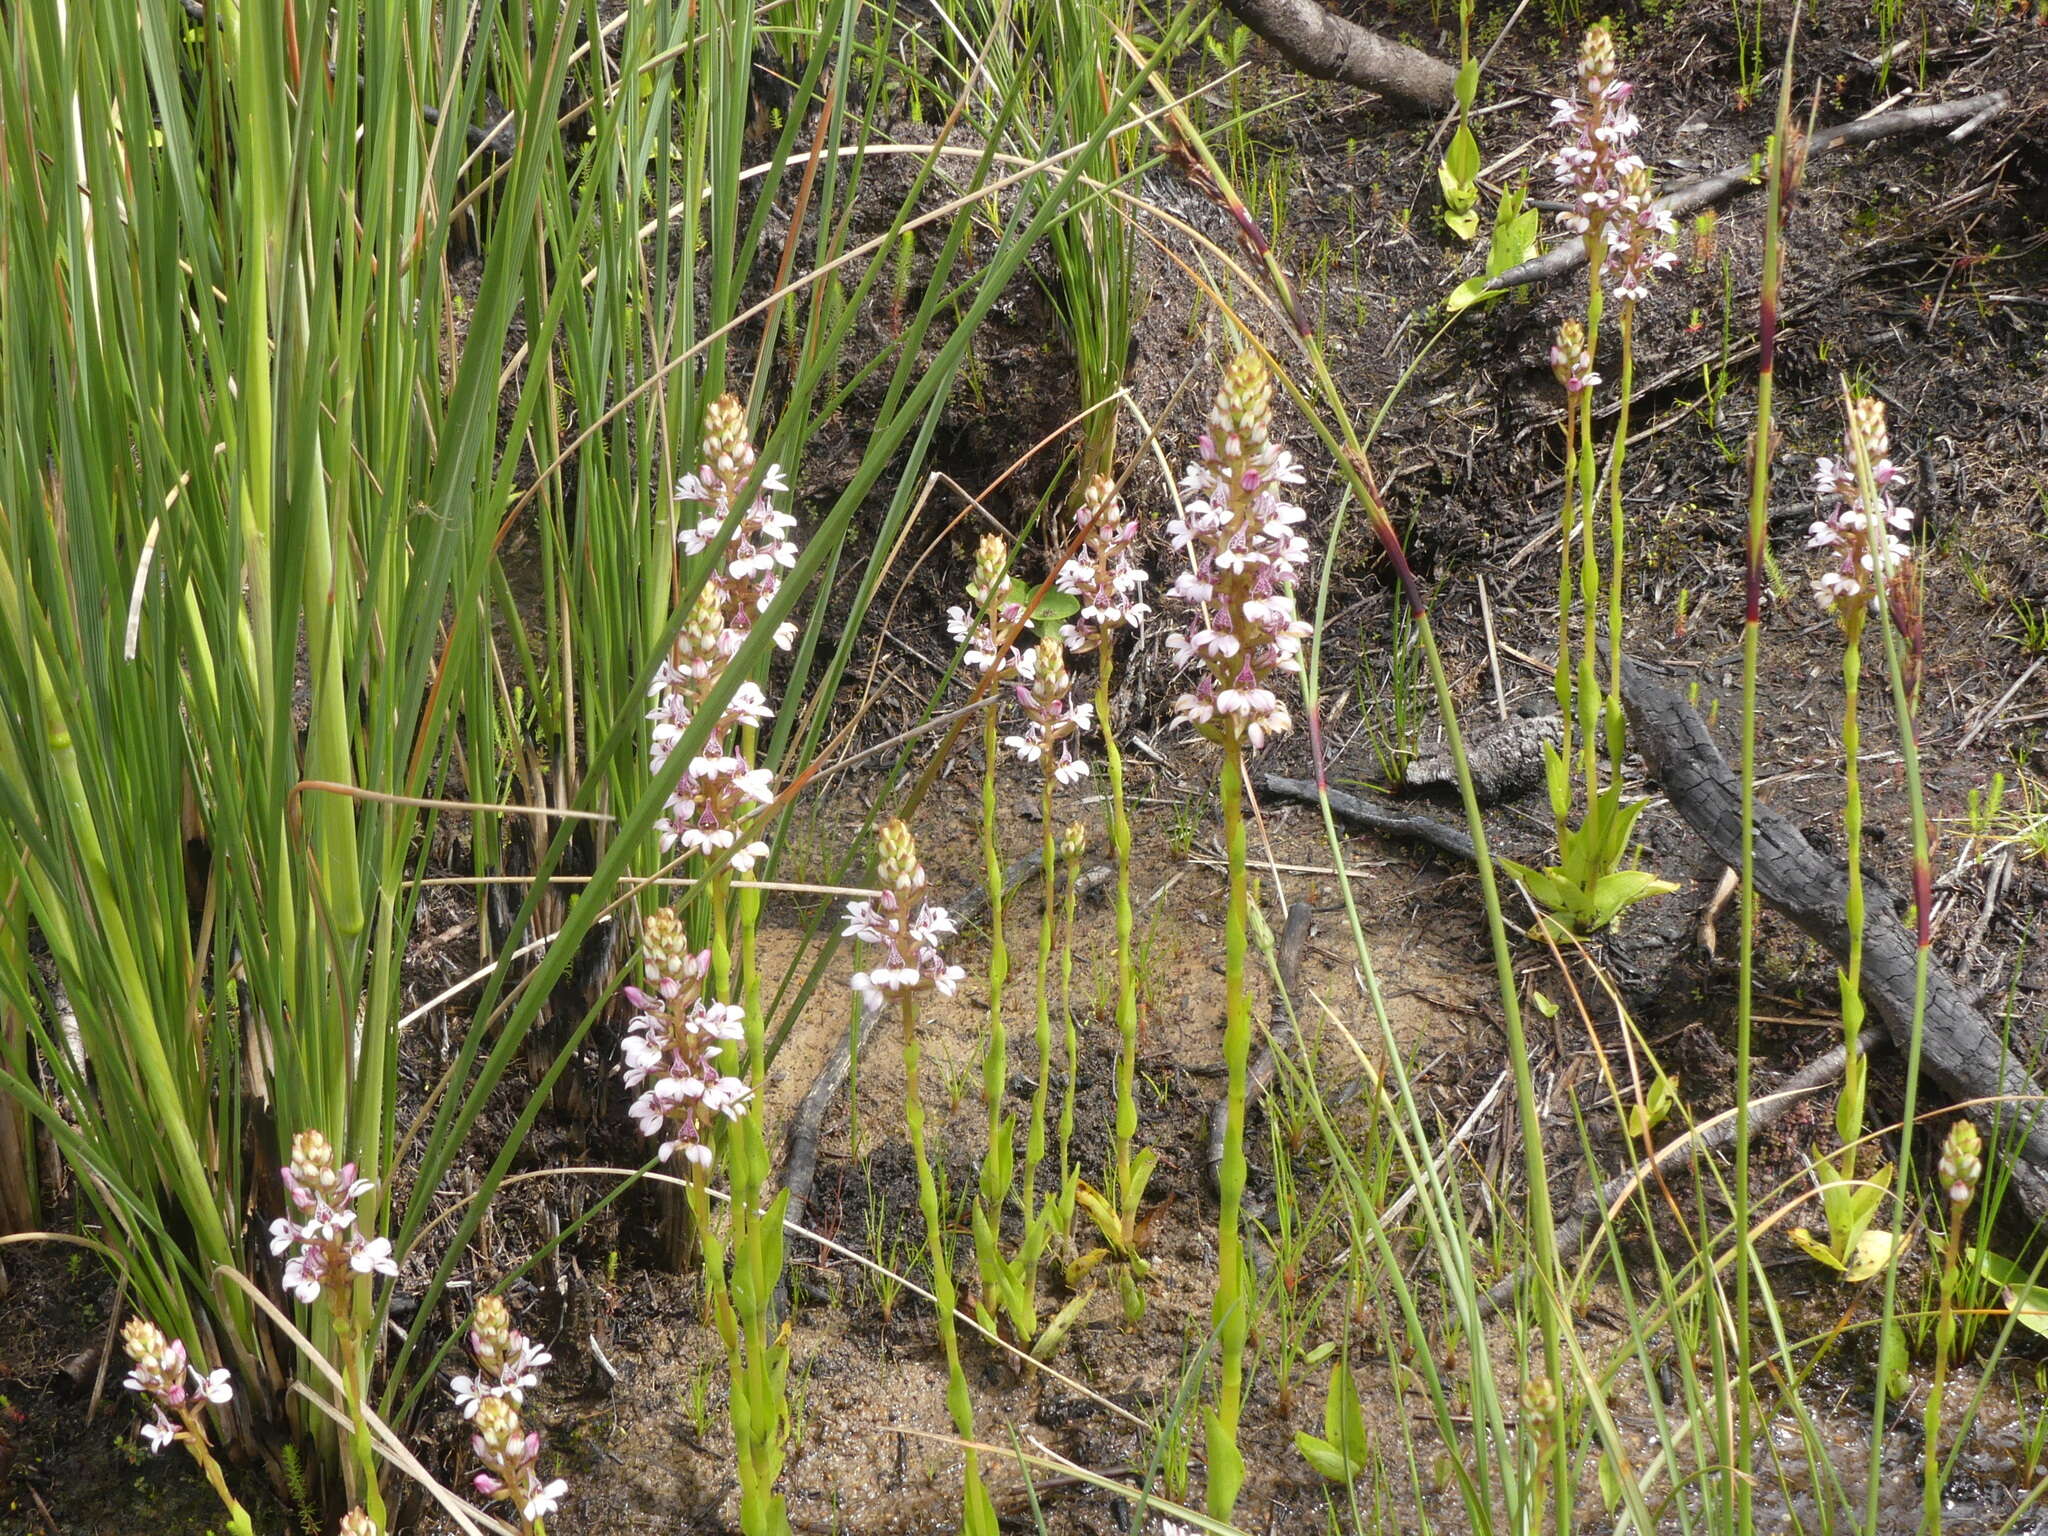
(673, 1044)
(1244, 550)
(507, 1361)
(328, 1250)
(991, 618)
(1962, 1163)
(1052, 717)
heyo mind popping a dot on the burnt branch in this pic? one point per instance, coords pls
(1960, 1050)
(1331, 48)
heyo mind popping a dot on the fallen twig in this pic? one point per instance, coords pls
(1970, 112)
(1365, 813)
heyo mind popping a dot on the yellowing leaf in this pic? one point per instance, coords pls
(1871, 1256)
(1818, 1251)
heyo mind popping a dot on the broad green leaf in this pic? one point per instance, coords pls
(1466, 87)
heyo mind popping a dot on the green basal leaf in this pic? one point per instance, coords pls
(1325, 1458)
(1461, 160)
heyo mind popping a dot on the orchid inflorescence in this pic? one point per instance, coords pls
(507, 1363)
(357, 1523)
(174, 1387)
(1104, 573)
(1865, 539)
(1613, 197)
(510, 1453)
(712, 809)
(759, 548)
(989, 624)
(1052, 718)
(328, 1250)
(904, 926)
(1244, 552)
(675, 1040)
(1572, 360)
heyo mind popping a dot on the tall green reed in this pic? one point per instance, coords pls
(271, 449)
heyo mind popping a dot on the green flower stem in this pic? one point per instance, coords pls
(1781, 178)
(365, 1492)
(758, 1264)
(1944, 1347)
(1567, 526)
(1041, 1093)
(1849, 1110)
(1073, 1041)
(1589, 555)
(1126, 1129)
(1923, 908)
(1617, 525)
(978, 1512)
(238, 1517)
(996, 1059)
(1230, 1313)
(1545, 1272)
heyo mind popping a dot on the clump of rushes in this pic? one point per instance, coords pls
(329, 1255)
(507, 1364)
(1244, 549)
(177, 1391)
(907, 932)
(1611, 201)
(1861, 551)
(1105, 577)
(1960, 1170)
(700, 1033)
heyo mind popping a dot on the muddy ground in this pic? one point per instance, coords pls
(1918, 268)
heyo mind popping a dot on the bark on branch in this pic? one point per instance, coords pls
(1329, 47)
